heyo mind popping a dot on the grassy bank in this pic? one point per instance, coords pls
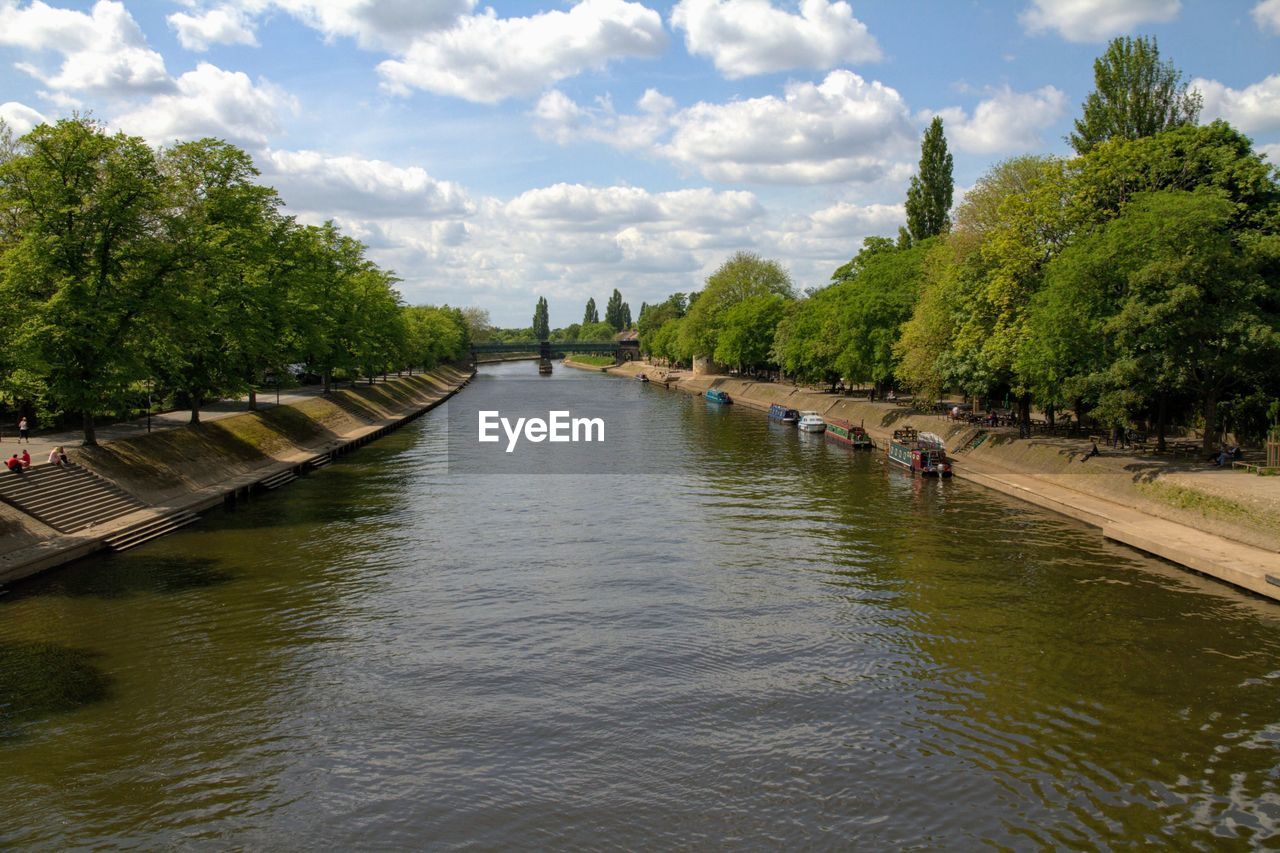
(166, 466)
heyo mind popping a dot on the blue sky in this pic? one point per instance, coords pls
(493, 154)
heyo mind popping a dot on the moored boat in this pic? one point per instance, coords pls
(845, 432)
(715, 395)
(921, 452)
(811, 422)
(642, 378)
(778, 412)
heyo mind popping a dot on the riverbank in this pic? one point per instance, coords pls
(193, 468)
(582, 365)
(1221, 523)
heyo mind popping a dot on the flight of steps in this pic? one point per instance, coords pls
(275, 481)
(152, 528)
(69, 499)
(320, 461)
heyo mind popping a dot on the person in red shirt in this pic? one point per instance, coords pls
(14, 464)
(26, 460)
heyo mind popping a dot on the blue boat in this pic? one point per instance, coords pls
(778, 412)
(717, 396)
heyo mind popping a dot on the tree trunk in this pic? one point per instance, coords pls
(1162, 415)
(1210, 420)
(1024, 416)
(253, 400)
(90, 434)
(327, 381)
(195, 409)
(1050, 415)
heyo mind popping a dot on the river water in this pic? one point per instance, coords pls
(738, 638)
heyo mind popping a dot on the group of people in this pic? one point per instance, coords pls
(19, 463)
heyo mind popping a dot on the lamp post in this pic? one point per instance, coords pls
(150, 386)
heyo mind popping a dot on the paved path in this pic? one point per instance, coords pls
(42, 443)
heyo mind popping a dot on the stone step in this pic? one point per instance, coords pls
(153, 528)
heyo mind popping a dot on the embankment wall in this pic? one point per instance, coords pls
(1237, 540)
(194, 468)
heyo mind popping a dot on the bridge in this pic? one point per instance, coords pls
(622, 351)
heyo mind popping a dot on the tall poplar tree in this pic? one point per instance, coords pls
(1135, 95)
(929, 196)
(613, 314)
(591, 315)
(541, 320)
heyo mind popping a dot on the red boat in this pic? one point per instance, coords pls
(922, 452)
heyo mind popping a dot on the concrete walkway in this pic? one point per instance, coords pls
(43, 442)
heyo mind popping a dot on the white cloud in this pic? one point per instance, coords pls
(842, 129)
(745, 37)
(577, 207)
(1272, 152)
(103, 51)
(1006, 122)
(211, 102)
(309, 180)
(1095, 20)
(487, 59)
(20, 117)
(1253, 109)
(1267, 16)
(222, 25)
(390, 24)
(557, 117)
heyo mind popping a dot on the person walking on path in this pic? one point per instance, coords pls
(22, 430)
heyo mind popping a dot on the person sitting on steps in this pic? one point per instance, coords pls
(14, 464)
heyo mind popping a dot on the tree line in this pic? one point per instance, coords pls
(126, 268)
(1136, 283)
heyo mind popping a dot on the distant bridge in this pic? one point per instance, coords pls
(621, 350)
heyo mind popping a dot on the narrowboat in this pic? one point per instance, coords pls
(782, 413)
(846, 433)
(921, 452)
(642, 378)
(544, 367)
(811, 422)
(715, 395)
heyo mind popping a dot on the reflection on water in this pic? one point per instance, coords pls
(787, 644)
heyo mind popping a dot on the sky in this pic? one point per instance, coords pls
(489, 155)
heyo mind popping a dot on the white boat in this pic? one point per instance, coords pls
(811, 422)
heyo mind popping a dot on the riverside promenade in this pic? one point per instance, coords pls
(136, 485)
(1221, 523)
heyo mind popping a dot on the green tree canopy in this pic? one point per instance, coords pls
(82, 268)
(741, 277)
(591, 315)
(541, 320)
(1135, 95)
(929, 195)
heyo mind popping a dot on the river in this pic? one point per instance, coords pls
(738, 637)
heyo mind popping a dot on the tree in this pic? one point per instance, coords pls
(220, 327)
(747, 331)
(478, 324)
(929, 195)
(1135, 95)
(541, 321)
(741, 277)
(1175, 299)
(81, 270)
(597, 333)
(591, 315)
(625, 316)
(614, 314)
